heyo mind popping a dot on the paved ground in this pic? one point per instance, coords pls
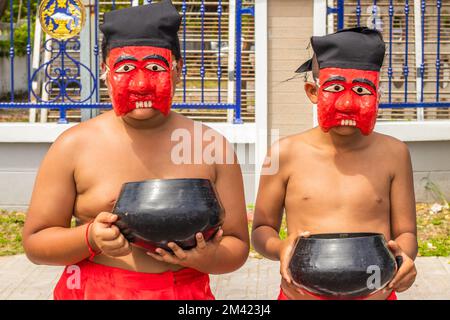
(257, 279)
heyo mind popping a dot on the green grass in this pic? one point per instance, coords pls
(435, 247)
(11, 224)
(433, 229)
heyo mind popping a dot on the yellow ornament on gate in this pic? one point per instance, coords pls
(62, 19)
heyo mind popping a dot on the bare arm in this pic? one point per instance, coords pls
(403, 220)
(228, 250)
(47, 236)
(403, 211)
(234, 247)
(269, 209)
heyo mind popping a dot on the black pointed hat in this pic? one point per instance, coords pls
(355, 48)
(155, 25)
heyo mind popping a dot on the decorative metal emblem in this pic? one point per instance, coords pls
(62, 19)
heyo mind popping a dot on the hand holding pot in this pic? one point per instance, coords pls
(286, 252)
(406, 273)
(197, 258)
(106, 237)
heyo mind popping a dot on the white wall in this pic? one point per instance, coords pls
(20, 75)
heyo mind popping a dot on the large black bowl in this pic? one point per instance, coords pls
(342, 265)
(155, 212)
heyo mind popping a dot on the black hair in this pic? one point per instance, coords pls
(315, 68)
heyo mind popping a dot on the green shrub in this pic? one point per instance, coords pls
(20, 41)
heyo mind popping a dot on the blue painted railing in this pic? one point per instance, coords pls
(405, 72)
(62, 78)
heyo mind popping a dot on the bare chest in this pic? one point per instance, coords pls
(101, 173)
(339, 190)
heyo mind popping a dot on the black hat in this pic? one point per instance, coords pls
(153, 25)
(355, 48)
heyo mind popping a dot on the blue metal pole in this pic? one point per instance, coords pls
(438, 51)
(62, 87)
(390, 72)
(374, 13)
(219, 59)
(96, 52)
(29, 49)
(62, 115)
(202, 68)
(184, 70)
(358, 13)
(103, 105)
(340, 14)
(237, 110)
(114, 5)
(11, 46)
(405, 66)
(422, 65)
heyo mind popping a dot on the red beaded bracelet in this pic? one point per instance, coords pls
(91, 251)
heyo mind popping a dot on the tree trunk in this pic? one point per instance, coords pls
(3, 5)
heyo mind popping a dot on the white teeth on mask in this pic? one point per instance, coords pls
(348, 123)
(143, 104)
(147, 104)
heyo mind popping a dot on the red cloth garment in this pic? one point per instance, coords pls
(282, 296)
(92, 281)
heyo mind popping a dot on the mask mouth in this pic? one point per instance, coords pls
(348, 122)
(143, 104)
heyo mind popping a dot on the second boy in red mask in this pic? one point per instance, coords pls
(340, 176)
(348, 97)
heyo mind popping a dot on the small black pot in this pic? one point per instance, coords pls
(153, 213)
(342, 265)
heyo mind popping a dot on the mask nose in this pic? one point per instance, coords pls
(345, 103)
(140, 83)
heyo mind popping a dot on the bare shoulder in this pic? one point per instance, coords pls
(74, 139)
(391, 146)
(392, 152)
(291, 145)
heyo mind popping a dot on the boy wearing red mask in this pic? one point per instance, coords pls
(340, 176)
(83, 172)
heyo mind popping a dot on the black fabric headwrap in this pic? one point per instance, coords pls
(355, 48)
(155, 25)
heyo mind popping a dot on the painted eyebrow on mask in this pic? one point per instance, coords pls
(335, 78)
(157, 57)
(365, 81)
(123, 58)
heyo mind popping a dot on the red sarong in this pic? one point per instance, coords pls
(92, 281)
(282, 296)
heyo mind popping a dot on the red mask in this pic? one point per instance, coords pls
(348, 97)
(140, 77)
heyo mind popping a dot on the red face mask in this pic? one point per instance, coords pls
(348, 97)
(140, 77)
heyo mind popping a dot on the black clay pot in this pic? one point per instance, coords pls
(342, 265)
(155, 212)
